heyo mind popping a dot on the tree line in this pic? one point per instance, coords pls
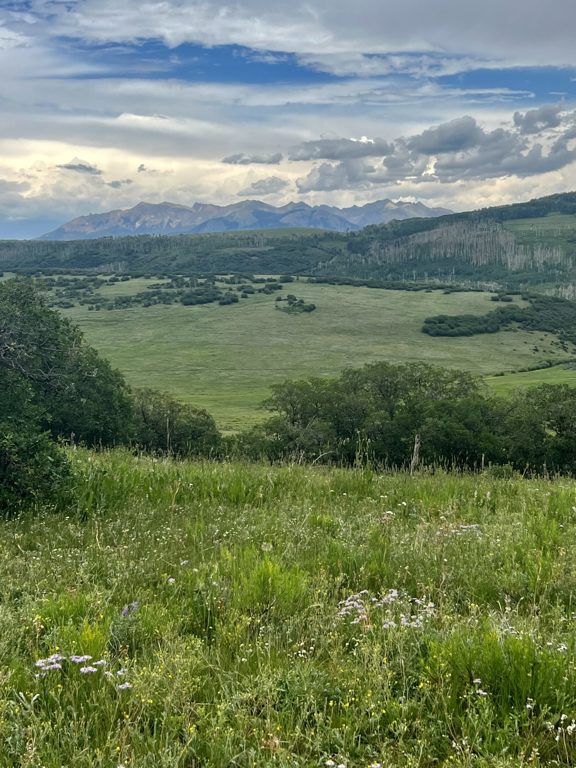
(381, 412)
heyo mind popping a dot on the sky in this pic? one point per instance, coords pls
(457, 103)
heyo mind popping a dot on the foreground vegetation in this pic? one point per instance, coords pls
(180, 614)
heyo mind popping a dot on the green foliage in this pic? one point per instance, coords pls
(376, 413)
(32, 469)
(160, 424)
(544, 313)
(77, 392)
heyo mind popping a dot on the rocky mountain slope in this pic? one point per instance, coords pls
(172, 219)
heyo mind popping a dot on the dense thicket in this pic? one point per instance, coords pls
(76, 391)
(543, 313)
(378, 414)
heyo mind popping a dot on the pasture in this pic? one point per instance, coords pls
(224, 358)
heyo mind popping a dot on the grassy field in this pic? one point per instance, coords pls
(224, 359)
(557, 229)
(560, 374)
(181, 615)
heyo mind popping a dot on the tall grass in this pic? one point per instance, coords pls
(245, 615)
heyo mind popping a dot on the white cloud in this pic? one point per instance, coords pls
(490, 29)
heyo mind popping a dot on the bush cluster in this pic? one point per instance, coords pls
(374, 415)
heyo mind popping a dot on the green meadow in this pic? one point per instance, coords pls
(555, 229)
(224, 358)
(196, 615)
(561, 374)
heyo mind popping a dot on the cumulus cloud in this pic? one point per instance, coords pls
(454, 136)
(536, 120)
(253, 159)
(340, 149)
(350, 173)
(454, 151)
(269, 186)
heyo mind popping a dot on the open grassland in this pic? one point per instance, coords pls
(224, 359)
(556, 229)
(506, 384)
(181, 615)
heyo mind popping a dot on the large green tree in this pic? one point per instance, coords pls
(76, 392)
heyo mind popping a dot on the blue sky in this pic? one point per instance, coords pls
(104, 104)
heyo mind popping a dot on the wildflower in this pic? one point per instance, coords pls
(88, 670)
(171, 580)
(124, 686)
(130, 608)
(100, 663)
(80, 659)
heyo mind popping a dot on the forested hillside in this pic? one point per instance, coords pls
(520, 245)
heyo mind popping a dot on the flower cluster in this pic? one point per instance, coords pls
(397, 609)
(562, 729)
(55, 662)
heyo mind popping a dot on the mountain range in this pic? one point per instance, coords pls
(172, 219)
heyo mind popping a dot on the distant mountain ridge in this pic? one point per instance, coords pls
(173, 219)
